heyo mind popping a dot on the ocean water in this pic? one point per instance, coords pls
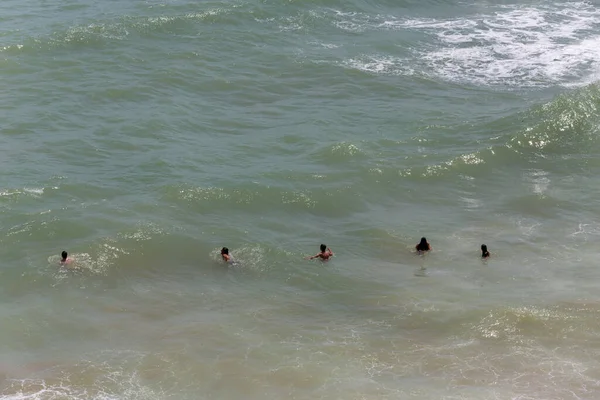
(142, 136)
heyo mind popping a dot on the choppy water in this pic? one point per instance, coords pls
(143, 136)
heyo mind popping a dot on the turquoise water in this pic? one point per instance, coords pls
(143, 136)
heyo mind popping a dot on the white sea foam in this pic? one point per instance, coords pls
(524, 46)
(531, 46)
(379, 64)
(324, 45)
(106, 381)
(34, 192)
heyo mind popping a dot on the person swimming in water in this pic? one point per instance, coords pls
(324, 255)
(423, 246)
(484, 251)
(225, 255)
(65, 259)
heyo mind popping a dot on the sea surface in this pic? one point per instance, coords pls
(143, 136)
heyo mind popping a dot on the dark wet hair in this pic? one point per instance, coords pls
(423, 245)
(224, 250)
(64, 255)
(323, 247)
(484, 251)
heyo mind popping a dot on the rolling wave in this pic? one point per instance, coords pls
(103, 33)
(513, 46)
(565, 128)
(506, 47)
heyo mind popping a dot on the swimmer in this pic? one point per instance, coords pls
(423, 246)
(225, 255)
(65, 259)
(324, 255)
(484, 251)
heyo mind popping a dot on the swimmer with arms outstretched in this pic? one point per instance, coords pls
(324, 255)
(484, 252)
(423, 246)
(65, 259)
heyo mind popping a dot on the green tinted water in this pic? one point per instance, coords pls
(143, 137)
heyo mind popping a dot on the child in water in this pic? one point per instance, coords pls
(324, 255)
(225, 255)
(484, 251)
(423, 246)
(65, 259)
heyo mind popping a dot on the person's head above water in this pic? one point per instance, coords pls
(423, 245)
(64, 255)
(484, 251)
(225, 254)
(324, 254)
